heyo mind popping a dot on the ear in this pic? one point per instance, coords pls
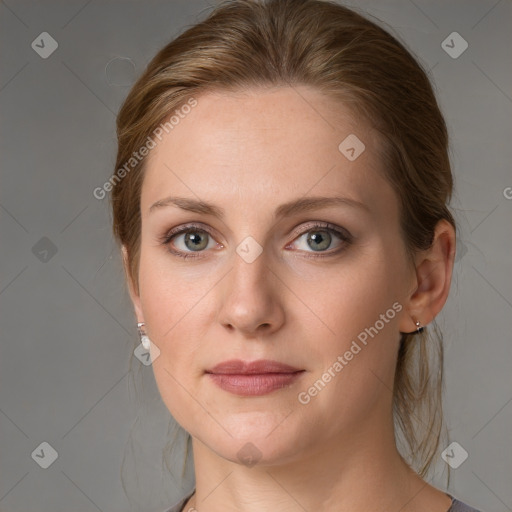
(433, 279)
(134, 296)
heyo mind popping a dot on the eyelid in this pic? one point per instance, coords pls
(183, 228)
(309, 226)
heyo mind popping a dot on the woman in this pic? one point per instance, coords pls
(281, 199)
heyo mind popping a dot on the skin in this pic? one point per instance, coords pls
(249, 152)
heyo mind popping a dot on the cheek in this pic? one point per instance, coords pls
(168, 305)
(353, 365)
(352, 297)
(359, 306)
(170, 292)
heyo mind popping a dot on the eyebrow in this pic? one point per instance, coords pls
(296, 206)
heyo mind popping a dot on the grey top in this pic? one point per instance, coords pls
(456, 506)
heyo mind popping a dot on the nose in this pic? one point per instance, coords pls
(252, 298)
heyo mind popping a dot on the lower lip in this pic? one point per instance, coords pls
(254, 384)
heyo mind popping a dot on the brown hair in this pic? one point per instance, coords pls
(248, 43)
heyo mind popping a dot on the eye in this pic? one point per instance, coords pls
(322, 236)
(186, 240)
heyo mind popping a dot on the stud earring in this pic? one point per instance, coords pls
(143, 336)
(419, 328)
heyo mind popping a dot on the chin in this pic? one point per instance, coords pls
(256, 439)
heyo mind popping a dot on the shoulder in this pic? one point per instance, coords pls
(458, 506)
(178, 506)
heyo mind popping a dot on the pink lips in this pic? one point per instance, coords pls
(253, 378)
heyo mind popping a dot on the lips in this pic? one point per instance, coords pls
(253, 378)
(238, 367)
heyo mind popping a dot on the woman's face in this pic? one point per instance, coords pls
(264, 281)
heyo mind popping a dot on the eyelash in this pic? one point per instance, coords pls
(192, 228)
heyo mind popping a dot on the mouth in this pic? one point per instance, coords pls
(253, 378)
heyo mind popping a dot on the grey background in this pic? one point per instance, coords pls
(68, 331)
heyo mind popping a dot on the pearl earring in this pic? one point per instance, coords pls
(143, 336)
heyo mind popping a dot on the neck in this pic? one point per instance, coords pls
(363, 471)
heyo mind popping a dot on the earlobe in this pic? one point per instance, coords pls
(433, 279)
(419, 327)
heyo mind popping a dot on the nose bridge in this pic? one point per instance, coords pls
(248, 279)
(250, 297)
(251, 258)
(250, 267)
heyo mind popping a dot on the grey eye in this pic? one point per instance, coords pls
(194, 241)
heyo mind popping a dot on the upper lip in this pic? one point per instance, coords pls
(239, 367)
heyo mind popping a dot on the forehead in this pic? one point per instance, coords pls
(264, 146)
